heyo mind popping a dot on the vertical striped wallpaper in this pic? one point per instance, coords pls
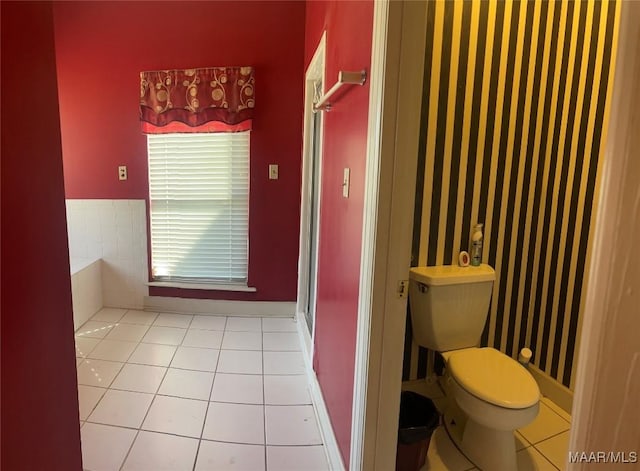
(513, 112)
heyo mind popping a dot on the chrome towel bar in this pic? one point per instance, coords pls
(344, 78)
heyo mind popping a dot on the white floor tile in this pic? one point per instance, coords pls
(443, 454)
(286, 390)
(555, 449)
(139, 378)
(85, 345)
(546, 425)
(176, 415)
(193, 358)
(521, 442)
(128, 332)
(242, 341)
(230, 457)
(164, 335)
(556, 408)
(98, 457)
(187, 383)
(78, 361)
(279, 324)
(88, 397)
(94, 329)
(291, 425)
(153, 354)
(531, 459)
(161, 452)
(123, 408)
(203, 338)
(109, 314)
(281, 341)
(284, 363)
(208, 322)
(173, 320)
(238, 423)
(246, 324)
(139, 317)
(113, 350)
(239, 361)
(97, 372)
(297, 458)
(237, 388)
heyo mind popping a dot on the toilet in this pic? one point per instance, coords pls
(490, 394)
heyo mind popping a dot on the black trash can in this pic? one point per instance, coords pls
(418, 419)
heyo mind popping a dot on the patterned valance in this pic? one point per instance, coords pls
(212, 99)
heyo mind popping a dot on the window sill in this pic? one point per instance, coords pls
(202, 286)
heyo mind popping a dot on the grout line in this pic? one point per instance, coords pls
(547, 438)
(97, 402)
(553, 410)
(146, 413)
(121, 364)
(206, 412)
(545, 457)
(264, 405)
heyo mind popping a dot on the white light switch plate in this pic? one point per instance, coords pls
(345, 182)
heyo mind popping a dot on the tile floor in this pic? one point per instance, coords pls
(541, 445)
(181, 392)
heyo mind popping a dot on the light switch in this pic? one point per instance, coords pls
(345, 182)
(122, 172)
(273, 171)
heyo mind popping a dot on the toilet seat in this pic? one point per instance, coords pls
(493, 377)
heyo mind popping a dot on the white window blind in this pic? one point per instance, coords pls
(199, 199)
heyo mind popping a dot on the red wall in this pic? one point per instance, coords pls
(349, 27)
(101, 49)
(40, 425)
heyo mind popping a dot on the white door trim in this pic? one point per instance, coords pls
(315, 71)
(395, 97)
(605, 406)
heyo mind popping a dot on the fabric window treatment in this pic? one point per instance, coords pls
(214, 99)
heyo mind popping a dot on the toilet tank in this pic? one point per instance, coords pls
(449, 305)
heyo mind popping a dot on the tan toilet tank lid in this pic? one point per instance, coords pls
(443, 275)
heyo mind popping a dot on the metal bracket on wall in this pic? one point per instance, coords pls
(403, 288)
(344, 78)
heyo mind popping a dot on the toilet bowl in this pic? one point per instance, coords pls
(497, 396)
(490, 394)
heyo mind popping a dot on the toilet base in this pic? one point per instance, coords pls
(488, 449)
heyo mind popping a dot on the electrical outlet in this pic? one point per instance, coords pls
(273, 171)
(122, 172)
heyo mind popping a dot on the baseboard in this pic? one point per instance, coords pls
(303, 333)
(322, 414)
(553, 389)
(219, 307)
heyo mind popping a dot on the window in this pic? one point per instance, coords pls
(199, 205)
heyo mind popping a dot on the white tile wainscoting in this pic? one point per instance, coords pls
(116, 232)
(86, 289)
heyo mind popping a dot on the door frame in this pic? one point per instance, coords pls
(315, 70)
(608, 373)
(391, 154)
(395, 98)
